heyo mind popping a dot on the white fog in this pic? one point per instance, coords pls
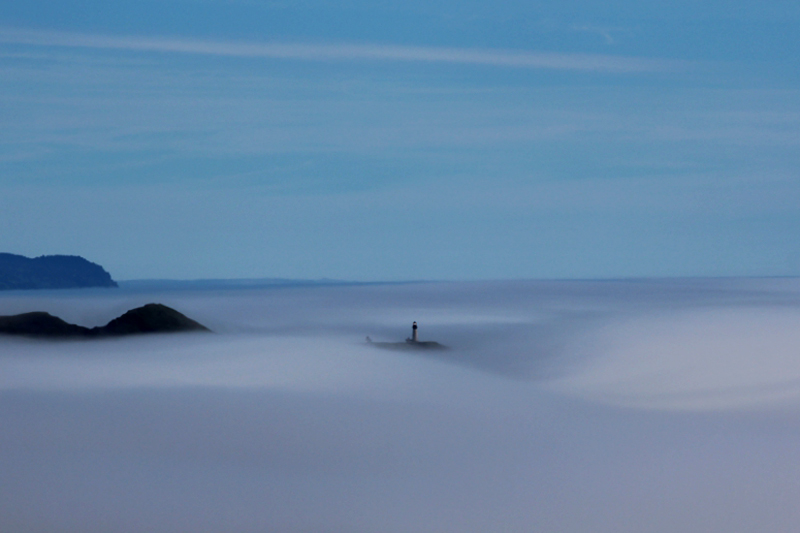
(602, 406)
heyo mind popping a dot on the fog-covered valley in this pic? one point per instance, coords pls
(661, 405)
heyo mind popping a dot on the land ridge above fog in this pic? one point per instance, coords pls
(18, 272)
(150, 318)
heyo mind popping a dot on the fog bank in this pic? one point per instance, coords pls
(561, 406)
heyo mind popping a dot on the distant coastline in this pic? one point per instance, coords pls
(245, 283)
(18, 272)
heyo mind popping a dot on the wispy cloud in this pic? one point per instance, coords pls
(342, 52)
(605, 32)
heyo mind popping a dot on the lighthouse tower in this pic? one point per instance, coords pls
(414, 337)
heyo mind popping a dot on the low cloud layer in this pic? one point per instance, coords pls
(572, 406)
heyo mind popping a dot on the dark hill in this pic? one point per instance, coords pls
(51, 272)
(40, 324)
(151, 318)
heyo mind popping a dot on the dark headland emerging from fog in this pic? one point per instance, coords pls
(150, 318)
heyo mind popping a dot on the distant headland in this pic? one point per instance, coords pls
(150, 318)
(18, 272)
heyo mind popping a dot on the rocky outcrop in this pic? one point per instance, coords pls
(408, 345)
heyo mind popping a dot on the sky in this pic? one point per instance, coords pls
(406, 140)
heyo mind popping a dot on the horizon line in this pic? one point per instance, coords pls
(442, 280)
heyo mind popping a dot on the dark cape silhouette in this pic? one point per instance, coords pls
(51, 272)
(151, 318)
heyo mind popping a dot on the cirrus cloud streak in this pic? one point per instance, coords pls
(343, 52)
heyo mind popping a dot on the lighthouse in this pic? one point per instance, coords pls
(412, 343)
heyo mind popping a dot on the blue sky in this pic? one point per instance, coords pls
(414, 140)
